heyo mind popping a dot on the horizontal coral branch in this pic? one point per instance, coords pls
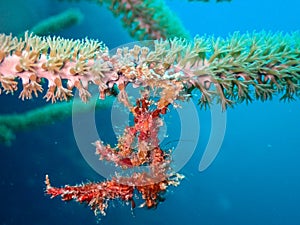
(12, 123)
(236, 69)
(51, 59)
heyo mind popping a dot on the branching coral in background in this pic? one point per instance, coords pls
(57, 22)
(147, 20)
(208, 0)
(13, 123)
(150, 19)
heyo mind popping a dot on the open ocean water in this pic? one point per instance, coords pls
(254, 180)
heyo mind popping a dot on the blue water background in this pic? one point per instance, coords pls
(255, 179)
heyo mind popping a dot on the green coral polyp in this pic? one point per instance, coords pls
(254, 66)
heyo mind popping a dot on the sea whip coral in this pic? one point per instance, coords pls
(239, 68)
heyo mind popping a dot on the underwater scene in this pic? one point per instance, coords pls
(149, 112)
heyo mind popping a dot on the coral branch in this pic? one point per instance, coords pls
(208, 0)
(58, 22)
(52, 59)
(11, 124)
(237, 69)
(147, 19)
